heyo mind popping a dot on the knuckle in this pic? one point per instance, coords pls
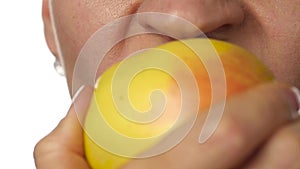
(273, 102)
(39, 149)
(44, 147)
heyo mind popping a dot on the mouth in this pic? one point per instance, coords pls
(112, 44)
(91, 69)
(130, 46)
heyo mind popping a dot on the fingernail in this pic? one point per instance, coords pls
(296, 104)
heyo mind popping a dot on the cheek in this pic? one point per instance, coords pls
(77, 20)
(278, 42)
(283, 58)
(283, 45)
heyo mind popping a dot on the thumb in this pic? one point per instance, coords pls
(65, 141)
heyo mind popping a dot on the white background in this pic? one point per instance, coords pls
(33, 97)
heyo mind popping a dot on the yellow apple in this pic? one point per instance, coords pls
(111, 138)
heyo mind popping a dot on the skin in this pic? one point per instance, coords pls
(264, 132)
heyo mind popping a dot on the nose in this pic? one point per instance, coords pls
(203, 15)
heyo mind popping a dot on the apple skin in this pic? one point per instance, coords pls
(242, 71)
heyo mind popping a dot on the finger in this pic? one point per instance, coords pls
(249, 119)
(281, 151)
(63, 147)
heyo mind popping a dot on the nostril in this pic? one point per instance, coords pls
(169, 25)
(210, 17)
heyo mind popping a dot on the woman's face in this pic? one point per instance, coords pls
(270, 28)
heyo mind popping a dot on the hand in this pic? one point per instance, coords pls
(255, 132)
(63, 147)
